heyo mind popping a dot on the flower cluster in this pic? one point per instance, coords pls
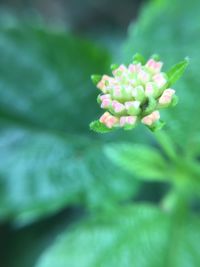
(134, 93)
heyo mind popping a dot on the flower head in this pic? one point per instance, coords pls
(135, 93)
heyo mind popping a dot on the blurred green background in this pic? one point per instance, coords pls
(54, 172)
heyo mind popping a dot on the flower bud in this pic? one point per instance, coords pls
(143, 76)
(105, 82)
(151, 119)
(128, 121)
(160, 79)
(134, 68)
(151, 89)
(154, 66)
(108, 120)
(166, 98)
(117, 106)
(133, 107)
(120, 70)
(138, 93)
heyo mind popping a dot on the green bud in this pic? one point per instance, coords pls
(114, 67)
(138, 58)
(96, 79)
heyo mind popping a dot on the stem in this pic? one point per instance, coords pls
(166, 144)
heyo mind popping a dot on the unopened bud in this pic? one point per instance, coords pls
(108, 120)
(154, 66)
(160, 79)
(138, 93)
(117, 107)
(119, 71)
(150, 119)
(166, 97)
(133, 107)
(128, 121)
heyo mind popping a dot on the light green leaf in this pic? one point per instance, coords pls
(142, 161)
(140, 236)
(177, 71)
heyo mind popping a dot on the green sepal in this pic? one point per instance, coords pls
(158, 125)
(177, 71)
(151, 106)
(173, 103)
(175, 100)
(156, 57)
(114, 67)
(99, 100)
(96, 78)
(99, 127)
(138, 58)
(129, 127)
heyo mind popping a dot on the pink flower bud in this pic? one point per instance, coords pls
(143, 76)
(135, 104)
(154, 66)
(160, 79)
(151, 118)
(149, 89)
(120, 70)
(116, 91)
(138, 93)
(106, 103)
(103, 97)
(127, 120)
(108, 120)
(166, 97)
(118, 107)
(134, 68)
(105, 82)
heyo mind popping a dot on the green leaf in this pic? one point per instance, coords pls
(177, 71)
(99, 127)
(48, 157)
(136, 236)
(142, 161)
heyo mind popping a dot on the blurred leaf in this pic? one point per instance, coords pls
(140, 237)
(140, 160)
(48, 156)
(177, 71)
(173, 38)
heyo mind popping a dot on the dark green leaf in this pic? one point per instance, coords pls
(48, 156)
